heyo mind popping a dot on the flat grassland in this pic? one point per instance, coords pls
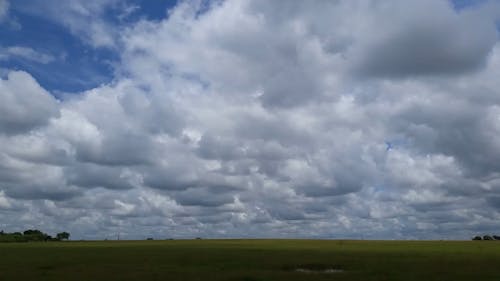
(251, 260)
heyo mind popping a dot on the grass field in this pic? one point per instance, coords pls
(251, 260)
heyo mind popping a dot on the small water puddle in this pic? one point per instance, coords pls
(314, 268)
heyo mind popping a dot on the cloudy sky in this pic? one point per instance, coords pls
(250, 118)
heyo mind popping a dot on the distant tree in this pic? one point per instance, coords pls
(34, 235)
(487, 237)
(62, 236)
(33, 232)
(496, 237)
(30, 235)
(477, 238)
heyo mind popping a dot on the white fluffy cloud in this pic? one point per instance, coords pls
(258, 118)
(25, 105)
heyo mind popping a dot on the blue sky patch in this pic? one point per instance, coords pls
(463, 4)
(55, 56)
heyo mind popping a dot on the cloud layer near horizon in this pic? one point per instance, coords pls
(361, 119)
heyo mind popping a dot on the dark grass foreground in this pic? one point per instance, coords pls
(251, 260)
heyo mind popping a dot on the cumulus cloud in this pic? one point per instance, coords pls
(425, 38)
(258, 118)
(25, 105)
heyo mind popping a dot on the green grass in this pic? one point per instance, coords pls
(251, 260)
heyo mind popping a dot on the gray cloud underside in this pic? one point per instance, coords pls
(362, 119)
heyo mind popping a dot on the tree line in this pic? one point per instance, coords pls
(486, 237)
(32, 235)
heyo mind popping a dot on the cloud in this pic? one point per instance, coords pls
(25, 104)
(92, 176)
(250, 118)
(4, 202)
(84, 19)
(25, 180)
(427, 38)
(4, 9)
(25, 53)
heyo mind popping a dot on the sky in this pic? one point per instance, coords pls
(359, 119)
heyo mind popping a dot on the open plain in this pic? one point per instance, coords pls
(251, 260)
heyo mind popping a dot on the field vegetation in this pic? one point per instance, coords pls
(251, 260)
